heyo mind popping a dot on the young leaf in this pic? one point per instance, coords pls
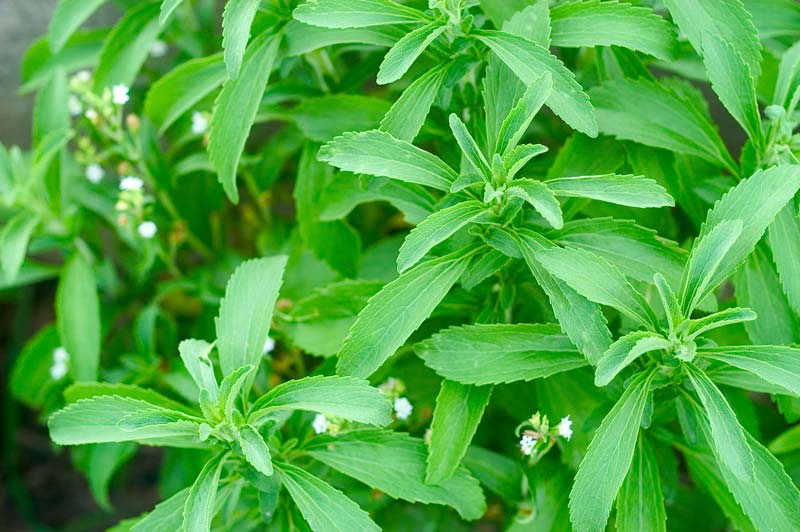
(630, 190)
(669, 302)
(596, 279)
(14, 240)
(734, 84)
(728, 436)
(378, 153)
(728, 19)
(719, 319)
(397, 311)
(344, 397)
(468, 146)
(650, 113)
(755, 201)
(127, 46)
(541, 198)
(528, 59)
(608, 459)
(596, 23)
(778, 365)
(408, 113)
(402, 471)
(519, 157)
(195, 356)
(516, 123)
(236, 21)
(403, 54)
(437, 228)
(707, 255)
(356, 13)
(68, 17)
(324, 507)
(640, 504)
(236, 107)
(78, 317)
(626, 350)
(495, 354)
(581, 319)
(255, 450)
(246, 310)
(182, 88)
(198, 511)
(459, 409)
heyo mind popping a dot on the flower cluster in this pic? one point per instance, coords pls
(394, 390)
(60, 366)
(537, 437)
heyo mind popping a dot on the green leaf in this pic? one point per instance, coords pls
(624, 351)
(127, 46)
(167, 7)
(167, 516)
(468, 146)
(68, 17)
(437, 228)
(788, 72)
(236, 21)
(102, 462)
(640, 504)
(669, 302)
(255, 450)
(528, 60)
(459, 409)
(325, 117)
(599, 281)
(30, 381)
(494, 354)
(230, 388)
(89, 390)
(704, 261)
(378, 153)
(408, 113)
(727, 19)
(671, 121)
(356, 13)
(111, 418)
(728, 436)
(784, 240)
(324, 507)
(719, 319)
(198, 511)
(541, 198)
(246, 310)
(403, 54)
(182, 88)
(14, 240)
(401, 473)
(787, 441)
(734, 84)
(498, 473)
(396, 312)
(516, 122)
(581, 319)
(778, 365)
(608, 459)
(755, 201)
(345, 397)
(236, 107)
(304, 38)
(195, 356)
(78, 317)
(630, 190)
(595, 23)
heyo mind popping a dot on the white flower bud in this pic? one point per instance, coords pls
(95, 173)
(199, 123)
(269, 346)
(119, 94)
(320, 424)
(74, 105)
(527, 444)
(565, 427)
(159, 48)
(147, 229)
(403, 408)
(131, 183)
(60, 366)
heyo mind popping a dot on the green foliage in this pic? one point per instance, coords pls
(327, 254)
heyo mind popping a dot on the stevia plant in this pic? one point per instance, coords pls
(377, 264)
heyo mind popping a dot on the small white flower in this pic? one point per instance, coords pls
(119, 94)
(269, 345)
(147, 229)
(131, 183)
(526, 444)
(565, 427)
(158, 48)
(199, 123)
(403, 408)
(83, 76)
(95, 173)
(60, 365)
(320, 424)
(74, 105)
(91, 114)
